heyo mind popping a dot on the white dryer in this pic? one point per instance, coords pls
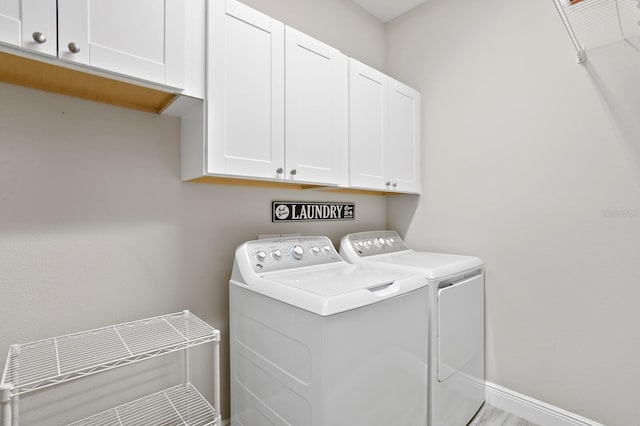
(456, 310)
(316, 341)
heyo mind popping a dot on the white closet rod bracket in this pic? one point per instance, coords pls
(581, 54)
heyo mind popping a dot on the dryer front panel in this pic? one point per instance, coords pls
(460, 327)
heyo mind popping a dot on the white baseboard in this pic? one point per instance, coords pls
(525, 407)
(533, 410)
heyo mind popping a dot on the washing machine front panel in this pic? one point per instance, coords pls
(377, 369)
(363, 367)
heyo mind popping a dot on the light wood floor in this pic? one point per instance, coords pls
(491, 416)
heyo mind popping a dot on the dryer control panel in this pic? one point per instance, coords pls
(373, 242)
(277, 254)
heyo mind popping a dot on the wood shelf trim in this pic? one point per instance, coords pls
(31, 73)
(221, 180)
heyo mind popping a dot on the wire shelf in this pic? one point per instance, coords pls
(595, 23)
(179, 405)
(36, 365)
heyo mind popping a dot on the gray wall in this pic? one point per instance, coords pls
(533, 163)
(96, 227)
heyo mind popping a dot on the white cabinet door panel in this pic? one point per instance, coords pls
(39, 16)
(368, 99)
(402, 150)
(316, 111)
(10, 22)
(20, 20)
(73, 27)
(142, 39)
(245, 92)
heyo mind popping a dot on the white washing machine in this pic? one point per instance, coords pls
(316, 341)
(456, 308)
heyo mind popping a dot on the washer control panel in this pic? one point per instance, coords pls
(375, 242)
(276, 254)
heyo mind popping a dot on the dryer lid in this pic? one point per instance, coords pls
(431, 265)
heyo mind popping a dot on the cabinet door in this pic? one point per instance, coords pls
(368, 101)
(402, 145)
(143, 39)
(316, 111)
(245, 93)
(29, 24)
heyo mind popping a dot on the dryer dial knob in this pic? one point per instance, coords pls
(297, 252)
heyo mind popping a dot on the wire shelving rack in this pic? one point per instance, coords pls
(49, 362)
(595, 23)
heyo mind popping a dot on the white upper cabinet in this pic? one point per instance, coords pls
(144, 39)
(276, 104)
(316, 111)
(29, 24)
(281, 106)
(402, 144)
(245, 94)
(384, 132)
(368, 111)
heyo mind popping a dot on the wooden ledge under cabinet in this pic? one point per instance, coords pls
(58, 79)
(220, 180)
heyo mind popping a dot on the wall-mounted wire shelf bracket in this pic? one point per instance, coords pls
(595, 23)
(581, 54)
(45, 363)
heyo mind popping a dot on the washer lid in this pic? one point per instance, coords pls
(431, 265)
(334, 288)
(335, 280)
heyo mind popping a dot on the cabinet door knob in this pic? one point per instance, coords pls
(395, 184)
(293, 172)
(279, 170)
(39, 37)
(73, 47)
(387, 183)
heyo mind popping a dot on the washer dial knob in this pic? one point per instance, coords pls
(367, 245)
(379, 242)
(315, 250)
(276, 254)
(326, 249)
(297, 252)
(261, 256)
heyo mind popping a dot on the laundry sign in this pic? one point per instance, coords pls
(292, 211)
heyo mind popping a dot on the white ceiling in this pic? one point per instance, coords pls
(386, 10)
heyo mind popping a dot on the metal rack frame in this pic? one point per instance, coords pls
(598, 22)
(49, 362)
